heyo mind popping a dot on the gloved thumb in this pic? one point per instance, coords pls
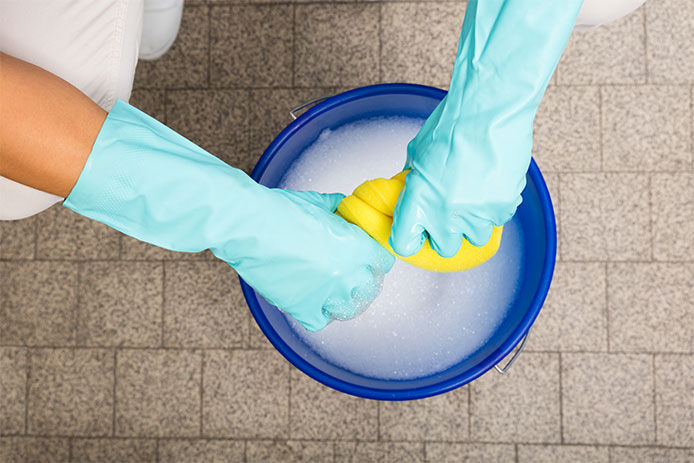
(326, 201)
(407, 234)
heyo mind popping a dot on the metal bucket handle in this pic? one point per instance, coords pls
(520, 348)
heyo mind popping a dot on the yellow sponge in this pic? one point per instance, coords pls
(371, 207)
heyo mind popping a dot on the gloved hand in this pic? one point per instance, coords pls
(469, 160)
(145, 180)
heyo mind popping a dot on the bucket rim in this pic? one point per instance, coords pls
(462, 378)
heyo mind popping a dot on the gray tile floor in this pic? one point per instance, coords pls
(113, 350)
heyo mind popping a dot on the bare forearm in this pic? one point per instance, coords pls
(47, 127)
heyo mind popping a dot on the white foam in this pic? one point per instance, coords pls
(422, 322)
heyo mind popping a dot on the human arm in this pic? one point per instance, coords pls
(469, 160)
(133, 173)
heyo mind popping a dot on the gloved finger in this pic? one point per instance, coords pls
(380, 261)
(326, 201)
(313, 318)
(446, 243)
(407, 234)
(358, 292)
(477, 232)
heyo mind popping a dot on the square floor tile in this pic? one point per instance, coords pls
(185, 65)
(151, 102)
(200, 451)
(672, 197)
(17, 238)
(386, 452)
(670, 25)
(158, 393)
(442, 417)
(217, 120)
(610, 54)
(646, 128)
(120, 304)
(650, 455)
(37, 303)
(419, 41)
(13, 382)
(608, 399)
(251, 45)
(134, 249)
(203, 306)
(71, 392)
(446, 452)
(674, 402)
(574, 316)
(567, 130)
(605, 217)
(519, 406)
(318, 412)
(114, 450)
(269, 112)
(293, 451)
(31, 449)
(562, 453)
(246, 394)
(651, 307)
(64, 234)
(336, 44)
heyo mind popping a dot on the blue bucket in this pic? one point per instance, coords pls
(535, 216)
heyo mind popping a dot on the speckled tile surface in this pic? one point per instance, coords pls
(70, 392)
(656, 318)
(291, 451)
(184, 374)
(106, 290)
(608, 399)
(520, 406)
(251, 43)
(38, 303)
(442, 417)
(482, 453)
(574, 316)
(200, 451)
(13, 382)
(158, 393)
(566, 128)
(611, 54)
(18, 238)
(246, 394)
(562, 453)
(670, 26)
(63, 234)
(114, 450)
(646, 128)
(203, 306)
(428, 30)
(336, 44)
(605, 217)
(317, 412)
(674, 402)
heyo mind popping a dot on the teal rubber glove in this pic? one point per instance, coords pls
(469, 160)
(149, 182)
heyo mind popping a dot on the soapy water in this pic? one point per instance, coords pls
(422, 322)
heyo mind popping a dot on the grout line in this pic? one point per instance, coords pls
(645, 45)
(163, 303)
(26, 391)
(601, 129)
(70, 456)
(469, 411)
(561, 402)
(293, 45)
(202, 371)
(157, 457)
(607, 306)
(115, 381)
(515, 452)
(378, 420)
(650, 216)
(655, 404)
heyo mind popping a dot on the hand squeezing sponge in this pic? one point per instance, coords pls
(371, 207)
